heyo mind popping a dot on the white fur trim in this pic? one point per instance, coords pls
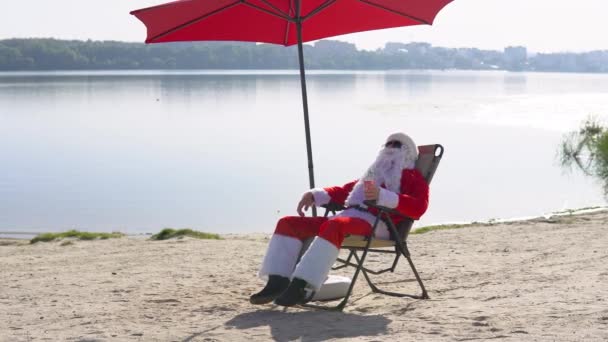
(321, 196)
(281, 256)
(316, 262)
(382, 232)
(388, 199)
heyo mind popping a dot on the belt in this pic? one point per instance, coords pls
(358, 207)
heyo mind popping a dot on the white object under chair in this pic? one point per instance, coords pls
(334, 287)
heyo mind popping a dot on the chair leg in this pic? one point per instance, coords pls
(424, 294)
(402, 247)
(403, 251)
(376, 289)
(342, 303)
(344, 263)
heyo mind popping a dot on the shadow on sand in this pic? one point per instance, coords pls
(311, 326)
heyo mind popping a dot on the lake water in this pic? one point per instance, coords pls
(224, 151)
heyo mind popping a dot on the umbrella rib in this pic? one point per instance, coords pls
(318, 9)
(284, 17)
(290, 10)
(193, 21)
(286, 38)
(396, 12)
(275, 8)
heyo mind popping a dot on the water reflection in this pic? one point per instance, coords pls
(341, 86)
(515, 83)
(206, 87)
(408, 85)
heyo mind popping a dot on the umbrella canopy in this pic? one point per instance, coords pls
(284, 22)
(275, 21)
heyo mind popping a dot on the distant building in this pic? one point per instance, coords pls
(391, 48)
(515, 58)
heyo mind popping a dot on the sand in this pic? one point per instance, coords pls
(536, 280)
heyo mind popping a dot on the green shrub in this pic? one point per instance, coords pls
(46, 237)
(587, 149)
(169, 233)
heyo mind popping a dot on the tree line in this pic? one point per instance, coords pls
(54, 54)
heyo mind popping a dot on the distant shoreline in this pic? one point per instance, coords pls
(29, 54)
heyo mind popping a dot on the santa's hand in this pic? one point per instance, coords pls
(306, 202)
(371, 192)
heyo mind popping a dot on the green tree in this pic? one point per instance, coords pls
(12, 59)
(587, 150)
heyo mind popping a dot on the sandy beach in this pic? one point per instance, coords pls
(535, 280)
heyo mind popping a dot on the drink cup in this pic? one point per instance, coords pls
(368, 184)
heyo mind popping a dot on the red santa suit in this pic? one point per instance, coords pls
(407, 193)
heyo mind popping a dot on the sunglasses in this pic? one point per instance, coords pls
(393, 143)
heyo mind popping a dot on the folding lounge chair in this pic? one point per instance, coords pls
(428, 160)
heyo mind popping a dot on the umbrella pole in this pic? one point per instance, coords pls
(311, 175)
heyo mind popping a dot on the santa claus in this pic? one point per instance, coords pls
(392, 181)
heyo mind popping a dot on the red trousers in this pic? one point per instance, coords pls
(333, 230)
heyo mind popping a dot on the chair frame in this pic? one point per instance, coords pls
(399, 235)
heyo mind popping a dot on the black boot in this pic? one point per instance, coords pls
(275, 286)
(296, 293)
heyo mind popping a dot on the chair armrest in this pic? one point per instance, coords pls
(333, 206)
(373, 204)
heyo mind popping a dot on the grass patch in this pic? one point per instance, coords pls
(572, 211)
(169, 233)
(493, 221)
(427, 229)
(47, 237)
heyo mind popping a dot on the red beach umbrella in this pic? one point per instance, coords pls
(285, 22)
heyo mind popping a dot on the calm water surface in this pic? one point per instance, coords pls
(225, 151)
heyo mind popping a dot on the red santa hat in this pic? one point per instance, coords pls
(410, 147)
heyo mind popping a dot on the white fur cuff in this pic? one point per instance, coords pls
(321, 196)
(388, 199)
(316, 262)
(281, 256)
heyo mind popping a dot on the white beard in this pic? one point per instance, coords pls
(387, 170)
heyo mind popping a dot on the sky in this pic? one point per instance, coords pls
(540, 25)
